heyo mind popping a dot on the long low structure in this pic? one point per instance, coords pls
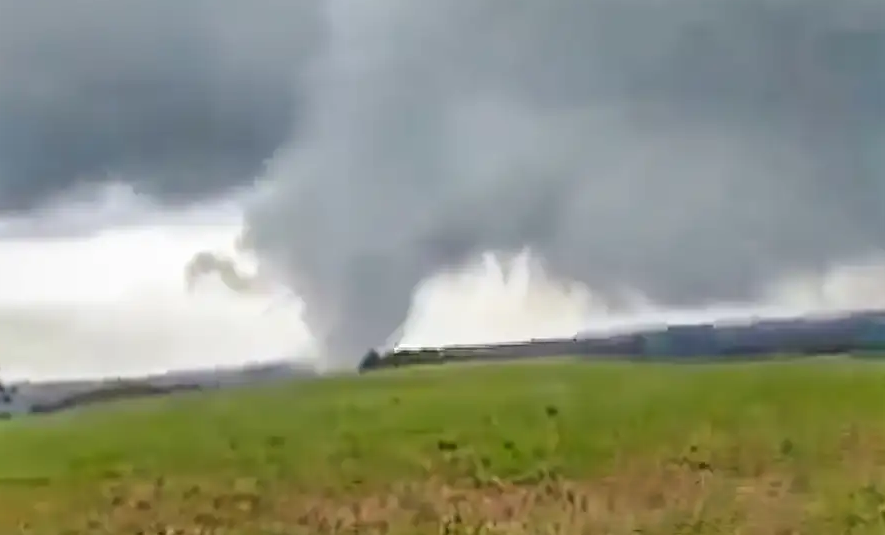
(733, 338)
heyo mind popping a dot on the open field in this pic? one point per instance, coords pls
(533, 447)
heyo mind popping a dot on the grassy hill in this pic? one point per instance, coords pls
(791, 447)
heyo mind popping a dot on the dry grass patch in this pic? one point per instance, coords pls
(674, 496)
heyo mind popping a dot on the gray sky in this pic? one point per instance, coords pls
(180, 97)
(693, 149)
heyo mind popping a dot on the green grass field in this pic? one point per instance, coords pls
(543, 447)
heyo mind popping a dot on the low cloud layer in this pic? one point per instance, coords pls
(691, 150)
(180, 98)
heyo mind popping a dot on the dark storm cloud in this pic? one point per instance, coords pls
(691, 149)
(694, 150)
(181, 98)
